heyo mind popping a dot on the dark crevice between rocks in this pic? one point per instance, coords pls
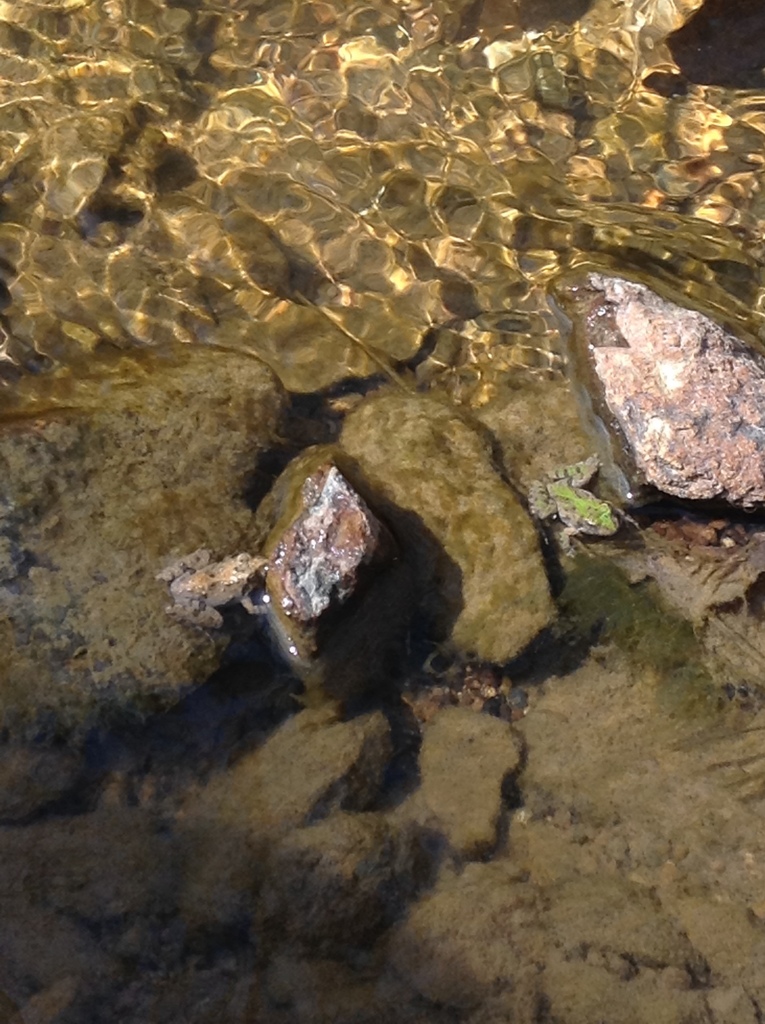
(307, 419)
(700, 973)
(215, 723)
(558, 651)
(512, 800)
(402, 774)
(174, 170)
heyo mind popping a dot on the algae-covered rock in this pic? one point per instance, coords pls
(470, 939)
(311, 766)
(114, 862)
(338, 883)
(464, 761)
(538, 427)
(727, 935)
(474, 548)
(617, 917)
(582, 991)
(617, 955)
(94, 501)
(32, 776)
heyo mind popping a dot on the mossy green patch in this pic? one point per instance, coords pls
(599, 600)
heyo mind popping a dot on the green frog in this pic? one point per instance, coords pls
(563, 495)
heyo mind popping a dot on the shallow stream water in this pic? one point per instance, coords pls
(222, 226)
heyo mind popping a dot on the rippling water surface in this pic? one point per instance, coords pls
(335, 186)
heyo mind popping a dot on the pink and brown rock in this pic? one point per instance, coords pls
(688, 397)
(323, 558)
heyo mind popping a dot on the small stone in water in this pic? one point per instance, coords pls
(318, 562)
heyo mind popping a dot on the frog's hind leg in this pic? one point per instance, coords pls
(540, 502)
(566, 541)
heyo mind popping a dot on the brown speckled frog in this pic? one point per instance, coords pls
(563, 495)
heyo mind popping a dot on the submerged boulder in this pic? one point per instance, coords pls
(464, 762)
(338, 883)
(94, 499)
(472, 546)
(687, 396)
(473, 938)
(313, 765)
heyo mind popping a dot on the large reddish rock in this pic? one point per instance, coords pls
(688, 397)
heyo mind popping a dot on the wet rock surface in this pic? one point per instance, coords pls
(94, 502)
(474, 549)
(454, 957)
(687, 396)
(465, 761)
(340, 883)
(33, 777)
(322, 558)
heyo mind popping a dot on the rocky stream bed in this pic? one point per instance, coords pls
(382, 541)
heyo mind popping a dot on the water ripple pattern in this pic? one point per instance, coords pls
(328, 187)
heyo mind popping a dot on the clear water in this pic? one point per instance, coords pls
(349, 195)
